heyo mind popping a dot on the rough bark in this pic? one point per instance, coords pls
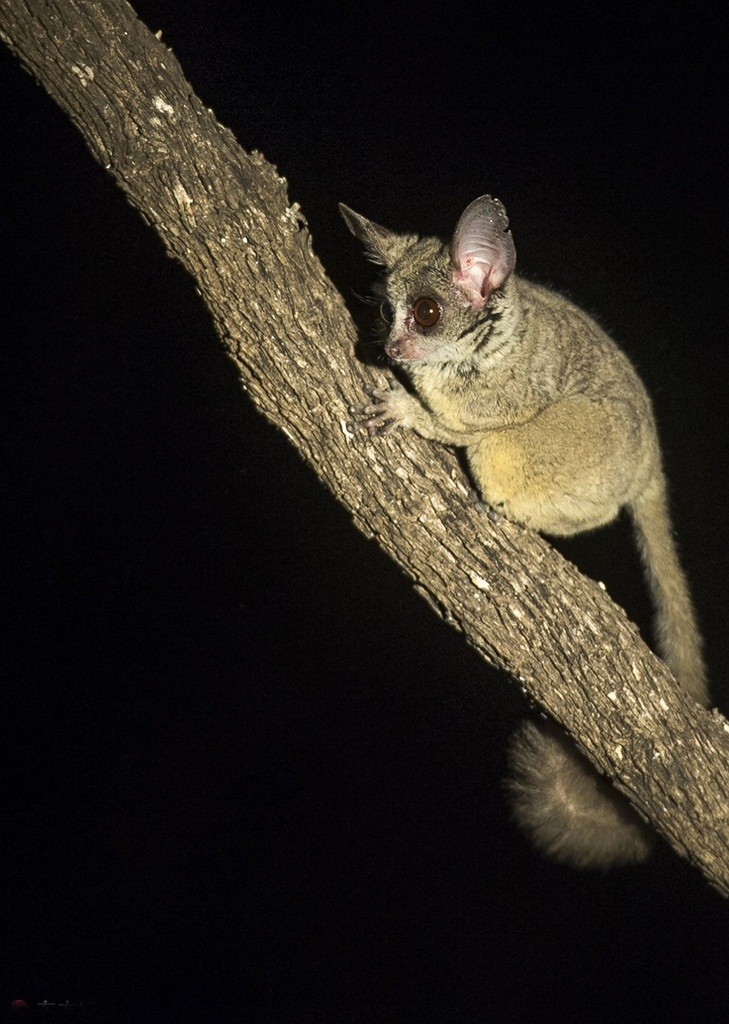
(224, 214)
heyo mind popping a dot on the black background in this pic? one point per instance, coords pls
(251, 776)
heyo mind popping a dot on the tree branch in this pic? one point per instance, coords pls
(224, 214)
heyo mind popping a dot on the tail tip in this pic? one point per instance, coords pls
(569, 812)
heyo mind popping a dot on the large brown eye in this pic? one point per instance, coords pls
(426, 311)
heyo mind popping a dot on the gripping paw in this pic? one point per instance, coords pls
(390, 407)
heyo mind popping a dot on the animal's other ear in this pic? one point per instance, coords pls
(482, 251)
(384, 246)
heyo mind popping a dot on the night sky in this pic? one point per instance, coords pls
(251, 776)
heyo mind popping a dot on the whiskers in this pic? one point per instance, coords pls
(369, 300)
(372, 336)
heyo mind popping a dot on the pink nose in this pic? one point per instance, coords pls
(394, 347)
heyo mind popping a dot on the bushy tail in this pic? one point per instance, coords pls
(570, 813)
(677, 636)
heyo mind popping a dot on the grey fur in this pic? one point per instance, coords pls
(560, 435)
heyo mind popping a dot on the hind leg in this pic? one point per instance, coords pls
(568, 469)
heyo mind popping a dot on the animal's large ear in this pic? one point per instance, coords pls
(483, 250)
(384, 246)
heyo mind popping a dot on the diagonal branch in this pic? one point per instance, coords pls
(224, 214)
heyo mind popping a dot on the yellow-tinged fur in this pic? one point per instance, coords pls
(559, 434)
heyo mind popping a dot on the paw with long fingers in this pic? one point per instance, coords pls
(389, 407)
